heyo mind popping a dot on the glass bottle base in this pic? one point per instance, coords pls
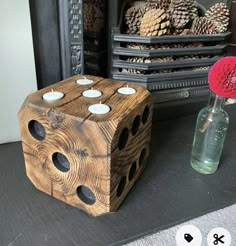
(204, 167)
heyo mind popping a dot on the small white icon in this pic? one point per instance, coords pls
(188, 235)
(219, 236)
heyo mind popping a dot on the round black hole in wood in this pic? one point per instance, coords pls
(121, 186)
(86, 195)
(136, 124)
(145, 115)
(37, 130)
(61, 162)
(142, 157)
(123, 138)
(132, 170)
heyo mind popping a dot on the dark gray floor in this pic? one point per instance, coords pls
(168, 192)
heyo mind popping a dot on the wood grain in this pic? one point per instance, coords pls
(89, 142)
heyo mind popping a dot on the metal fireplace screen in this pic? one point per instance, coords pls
(69, 38)
(82, 24)
(178, 71)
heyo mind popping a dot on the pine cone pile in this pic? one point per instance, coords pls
(176, 17)
(154, 23)
(219, 14)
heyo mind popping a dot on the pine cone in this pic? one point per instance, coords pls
(192, 8)
(133, 18)
(182, 31)
(88, 17)
(181, 58)
(159, 47)
(147, 60)
(154, 23)
(134, 71)
(162, 60)
(152, 4)
(135, 46)
(100, 4)
(155, 4)
(93, 18)
(148, 47)
(203, 25)
(201, 68)
(140, 4)
(164, 4)
(98, 24)
(219, 14)
(179, 13)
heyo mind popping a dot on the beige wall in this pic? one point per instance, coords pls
(17, 70)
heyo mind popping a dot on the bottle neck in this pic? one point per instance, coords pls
(215, 102)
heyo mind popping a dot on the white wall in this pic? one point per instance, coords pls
(17, 69)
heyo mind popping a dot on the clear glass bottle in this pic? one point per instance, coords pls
(210, 132)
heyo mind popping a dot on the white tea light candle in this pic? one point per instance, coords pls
(92, 93)
(84, 81)
(53, 96)
(99, 108)
(126, 90)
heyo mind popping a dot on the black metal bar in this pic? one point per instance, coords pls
(171, 38)
(213, 50)
(168, 64)
(64, 38)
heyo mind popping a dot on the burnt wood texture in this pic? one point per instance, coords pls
(87, 160)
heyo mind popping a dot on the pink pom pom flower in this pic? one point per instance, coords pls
(222, 77)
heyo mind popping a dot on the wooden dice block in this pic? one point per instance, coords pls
(85, 159)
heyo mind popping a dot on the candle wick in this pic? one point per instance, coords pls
(52, 90)
(84, 77)
(92, 88)
(100, 102)
(127, 86)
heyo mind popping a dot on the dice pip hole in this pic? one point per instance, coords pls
(121, 186)
(61, 162)
(36, 130)
(132, 170)
(123, 139)
(136, 124)
(86, 195)
(145, 115)
(142, 157)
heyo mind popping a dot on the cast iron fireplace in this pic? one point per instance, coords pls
(183, 80)
(64, 47)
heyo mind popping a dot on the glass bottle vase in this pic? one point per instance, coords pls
(211, 127)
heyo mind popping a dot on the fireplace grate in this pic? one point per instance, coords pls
(180, 75)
